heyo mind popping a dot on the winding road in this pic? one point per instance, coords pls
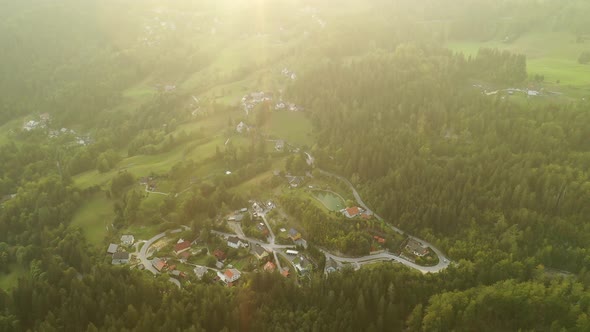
(443, 261)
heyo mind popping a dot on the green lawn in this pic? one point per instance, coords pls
(294, 127)
(552, 54)
(8, 281)
(93, 218)
(330, 200)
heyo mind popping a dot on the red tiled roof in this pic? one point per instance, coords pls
(184, 255)
(269, 266)
(219, 254)
(182, 246)
(285, 273)
(352, 211)
(160, 265)
(229, 274)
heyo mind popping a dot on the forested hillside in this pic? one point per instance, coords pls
(463, 151)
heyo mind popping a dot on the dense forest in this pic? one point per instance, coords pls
(501, 186)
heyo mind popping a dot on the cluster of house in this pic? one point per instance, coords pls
(510, 91)
(289, 74)
(355, 211)
(43, 121)
(152, 31)
(119, 255)
(249, 101)
(281, 105)
(416, 248)
(242, 128)
(149, 181)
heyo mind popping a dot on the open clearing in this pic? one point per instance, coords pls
(331, 200)
(552, 54)
(93, 217)
(294, 127)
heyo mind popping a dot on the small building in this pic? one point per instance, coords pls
(416, 248)
(379, 239)
(127, 240)
(302, 264)
(269, 266)
(182, 247)
(183, 256)
(294, 234)
(352, 212)
(219, 254)
(120, 258)
(200, 271)
(279, 145)
(301, 242)
(219, 265)
(229, 276)
(235, 242)
(285, 272)
(159, 264)
(259, 252)
(331, 265)
(112, 248)
(178, 274)
(242, 127)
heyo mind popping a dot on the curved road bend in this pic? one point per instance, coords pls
(146, 246)
(443, 261)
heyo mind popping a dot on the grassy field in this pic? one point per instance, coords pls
(294, 127)
(552, 54)
(330, 200)
(8, 281)
(93, 217)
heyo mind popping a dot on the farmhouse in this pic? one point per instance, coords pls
(352, 212)
(181, 247)
(416, 248)
(235, 242)
(219, 254)
(294, 234)
(159, 264)
(229, 276)
(259, 252)
(331, 266)
(302, 264)
(120, 258)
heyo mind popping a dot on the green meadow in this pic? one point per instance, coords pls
(552, 54)
(93, 218)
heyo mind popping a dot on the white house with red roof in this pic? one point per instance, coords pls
(352, 212)
(181, 246)
(230, 275)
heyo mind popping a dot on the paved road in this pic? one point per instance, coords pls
(142, 255)
(443, 260)
(175, 281)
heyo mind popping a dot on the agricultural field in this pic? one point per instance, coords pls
(94, 217)
(551, 54)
